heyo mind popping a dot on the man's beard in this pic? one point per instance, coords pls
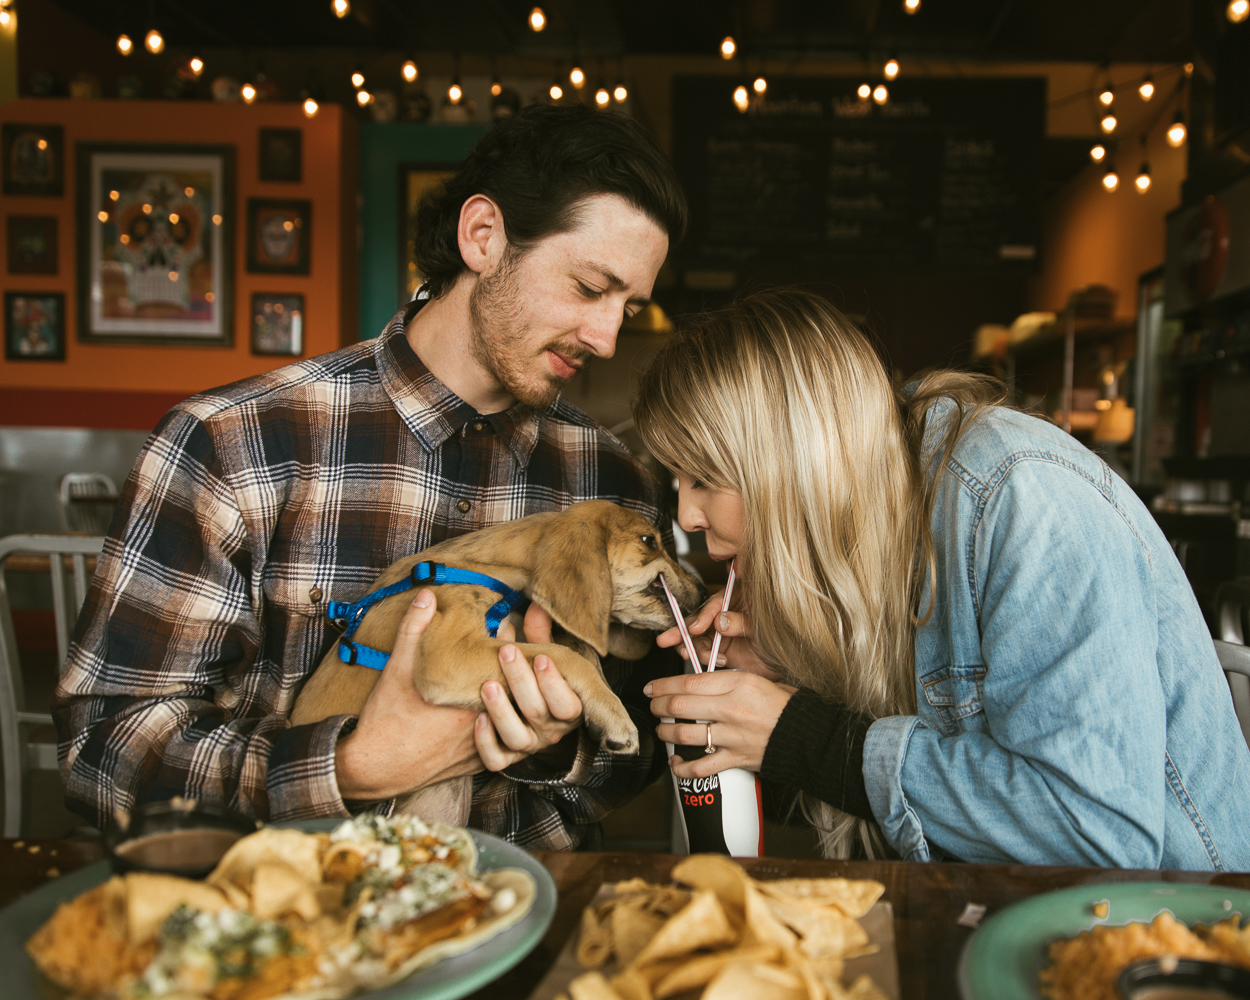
(499, 335)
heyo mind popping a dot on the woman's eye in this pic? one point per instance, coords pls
(695, 484)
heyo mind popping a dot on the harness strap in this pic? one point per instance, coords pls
(352, 614)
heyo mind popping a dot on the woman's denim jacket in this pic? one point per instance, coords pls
(1071, 709)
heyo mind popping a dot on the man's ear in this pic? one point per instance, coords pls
(573, 581)
(481, 234)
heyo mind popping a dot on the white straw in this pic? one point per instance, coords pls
(724, 606)
(681, 624)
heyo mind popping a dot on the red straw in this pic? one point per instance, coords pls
(681, 624)
(724, 606)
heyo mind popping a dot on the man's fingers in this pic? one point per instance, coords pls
(537, 624)
(562, 701)
(494, 756)
(522, 684)
(512, 729)
(414, 623)
(505, 631)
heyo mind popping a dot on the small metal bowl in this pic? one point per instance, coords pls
(179, 837)
(1183, 979)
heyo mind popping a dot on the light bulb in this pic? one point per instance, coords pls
(197, 65)
(154, 42)
(911, 6)
(5, 17)
(1147, 88)
(864, 91)
(1237, 10)
(538, 20)
(1108, 123)
(880, 93)
(891, 69)
(577, 78)
(1098, 153)
(454, 93)
(363, 97)
(1106, 95)
(1143, 179)
(556, 91)
(124, 45)
(341, 8)
(620, 93)
(1176, 131)
(602, 97)
(728, 47)
(741, 98)
(496, 88)
(311, 107)
(358, 79)
(1111, 180)
(760, 85)
(409, 70)
(248, 93)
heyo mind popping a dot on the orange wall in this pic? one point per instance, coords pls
(329, 170)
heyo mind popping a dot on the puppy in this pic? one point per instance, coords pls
(594, 567)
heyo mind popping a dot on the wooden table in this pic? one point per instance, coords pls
(927, 899)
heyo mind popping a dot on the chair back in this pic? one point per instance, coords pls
(87, 502)
(1232, 602)
(55, 555)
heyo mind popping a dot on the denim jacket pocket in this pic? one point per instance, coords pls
(956, 695)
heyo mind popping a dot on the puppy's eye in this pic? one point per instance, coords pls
(648, 541)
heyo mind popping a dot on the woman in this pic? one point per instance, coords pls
(954, 628)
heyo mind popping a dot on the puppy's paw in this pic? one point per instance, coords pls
(623, 744)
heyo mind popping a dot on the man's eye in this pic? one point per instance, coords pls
(587, 291)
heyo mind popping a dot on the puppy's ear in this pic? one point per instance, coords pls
(573, 581)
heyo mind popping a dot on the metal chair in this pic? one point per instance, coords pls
(1232, 602)
(87, 502)
(39, 553)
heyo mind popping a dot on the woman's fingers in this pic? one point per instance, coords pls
(731, 624)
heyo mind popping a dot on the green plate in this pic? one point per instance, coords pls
(1002, 959)
(451, 978)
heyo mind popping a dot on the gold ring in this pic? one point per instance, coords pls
(709, 748)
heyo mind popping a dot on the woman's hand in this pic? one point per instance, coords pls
(737, 650)
(548, 707)
(743, 709)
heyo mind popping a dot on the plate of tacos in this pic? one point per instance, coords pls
(371, 907)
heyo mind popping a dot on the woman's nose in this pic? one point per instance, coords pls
(689, 515)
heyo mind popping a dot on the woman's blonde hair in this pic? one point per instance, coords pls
(783, 400)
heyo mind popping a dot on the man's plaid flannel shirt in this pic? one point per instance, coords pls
(249, 509)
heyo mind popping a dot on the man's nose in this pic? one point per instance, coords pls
(600, 330)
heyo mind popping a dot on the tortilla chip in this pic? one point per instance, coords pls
(700, 924)
(594, 943)
(592, 986)
(825, 930)
(752, 980)
(150, 898)
(761, 926)
(632, 928)
(278, 889)
(300, 851)
(702, 969)
(854, 897)
(632, 985)
(715, 872)
(863, 989)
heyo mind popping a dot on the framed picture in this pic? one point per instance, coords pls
(277, 323)
(34, 159)
(34, 326)
(281, 154)
(279, 234)
(415, 182)
(31, 244)
(155, 243)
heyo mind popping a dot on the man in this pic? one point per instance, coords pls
(254, 505)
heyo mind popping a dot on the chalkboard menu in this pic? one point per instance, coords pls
(944, 175)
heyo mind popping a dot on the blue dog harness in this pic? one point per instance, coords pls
(352, 615)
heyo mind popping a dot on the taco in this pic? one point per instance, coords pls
(286, 915)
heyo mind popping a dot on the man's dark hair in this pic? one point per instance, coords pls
(536, 166)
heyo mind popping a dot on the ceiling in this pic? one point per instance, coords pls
(1082, 30)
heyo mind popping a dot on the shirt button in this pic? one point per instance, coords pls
(314, 595)
(478, 425)
(463, 506)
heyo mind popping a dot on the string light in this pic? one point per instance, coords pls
(556, 91)
(454, 93)
(1106, 95)
(248, 93)
(911, 6)
(341, 8)
(1176, 131)
(197, 65)
(154, 42)
(1147, 88)
(1237, 10)
(728, 47)
(864, 91)
(5, 17)
(880, 93)
(619, 93)
(358, 79)
(1111, 180)
(363, 97)
(496, 88)
(1098, 153)
(409, 70)
(741, 98)
(602, 97)
(1142, 183)
(124, 45)
(891, 68)
(760, 85)
(311, 107)
(1109, 122)
(537, 19)
(577, 78)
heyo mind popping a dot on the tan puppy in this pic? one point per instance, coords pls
(594, 567)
